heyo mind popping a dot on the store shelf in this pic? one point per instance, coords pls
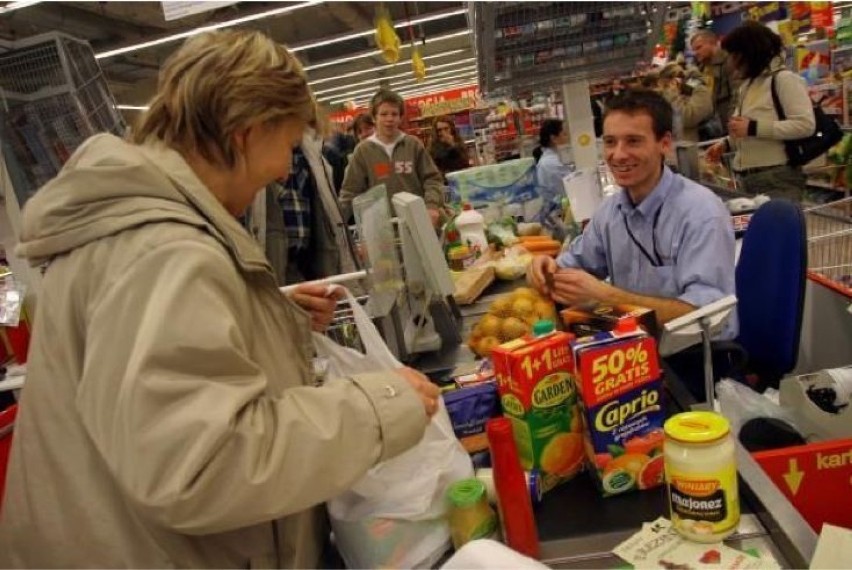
(538, 43)
(55, 97)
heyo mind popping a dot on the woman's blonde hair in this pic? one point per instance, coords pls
(220, 82)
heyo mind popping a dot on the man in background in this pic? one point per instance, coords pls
(719, 79)
(393, 158)
(363, 126)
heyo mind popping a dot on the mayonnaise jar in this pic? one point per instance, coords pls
(701, 476)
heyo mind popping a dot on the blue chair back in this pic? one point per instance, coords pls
(770, 286)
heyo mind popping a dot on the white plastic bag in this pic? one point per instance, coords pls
(739, 404)
(393, 517)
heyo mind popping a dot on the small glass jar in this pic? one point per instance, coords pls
(470, 515)
(460, 258)
(701, 475)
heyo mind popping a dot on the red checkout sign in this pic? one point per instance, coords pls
(816, 478)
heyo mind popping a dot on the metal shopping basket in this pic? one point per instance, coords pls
(829, 228)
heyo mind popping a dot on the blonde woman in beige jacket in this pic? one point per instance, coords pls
(755, 131)
(170, 418)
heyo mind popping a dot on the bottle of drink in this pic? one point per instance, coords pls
(471, 227)
(519, 528)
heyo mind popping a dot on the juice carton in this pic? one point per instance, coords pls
(589, 318)
(621, 396)
(538, 393)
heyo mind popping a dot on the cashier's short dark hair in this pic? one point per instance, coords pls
(646, 101)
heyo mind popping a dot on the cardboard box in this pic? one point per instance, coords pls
(621, 396)
(470, 408)
(538, 393)
(589, 318)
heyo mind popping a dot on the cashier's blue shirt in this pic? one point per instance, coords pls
(693, 235)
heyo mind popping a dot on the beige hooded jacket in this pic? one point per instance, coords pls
(169, 417)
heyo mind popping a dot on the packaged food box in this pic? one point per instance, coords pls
(470, 408)
(589, 318)
(621, 397)
(539, 395)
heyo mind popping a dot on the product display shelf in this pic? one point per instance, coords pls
(520, 45)
(55, 97)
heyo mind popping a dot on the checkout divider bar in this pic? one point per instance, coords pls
(788, 530)
(791, 534)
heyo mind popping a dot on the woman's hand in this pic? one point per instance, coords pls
(738, 127)
(319, 300)
(715, 152)
(428, 392)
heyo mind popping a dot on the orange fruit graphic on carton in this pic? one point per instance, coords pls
(621, 401)
(538, 393)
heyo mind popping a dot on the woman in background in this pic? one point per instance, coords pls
(447, 148)
(550, 170)
(755, 130)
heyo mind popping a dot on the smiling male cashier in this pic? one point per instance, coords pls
(664, 241)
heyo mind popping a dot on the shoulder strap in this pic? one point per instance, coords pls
(779, 110)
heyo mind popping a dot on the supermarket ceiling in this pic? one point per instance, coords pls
(334, 40)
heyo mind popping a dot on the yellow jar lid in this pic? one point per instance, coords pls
(697, 427)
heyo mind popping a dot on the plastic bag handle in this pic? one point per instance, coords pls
(374, 344)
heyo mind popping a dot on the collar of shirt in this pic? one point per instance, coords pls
(653, 202)
(387, 146)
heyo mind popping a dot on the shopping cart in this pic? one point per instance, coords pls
(829, 228)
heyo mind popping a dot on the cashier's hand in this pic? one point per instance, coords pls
(318, 300)
(537, 272)
(572, 286)
(738, 127)
(428, 392)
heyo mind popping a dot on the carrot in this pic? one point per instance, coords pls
(526, 239)
(541, 246)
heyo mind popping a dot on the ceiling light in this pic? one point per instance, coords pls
(410, 82)
(208, 28)
(373, 84)
(378, 52)
(439, 87)
(12, 6)
(375, 80)
(132, 107)
(381, 67)
(409, 89)
(403, 88)
(371, 31)
(435, 89)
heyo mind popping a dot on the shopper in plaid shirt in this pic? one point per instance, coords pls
(295, 202)
(306, 238)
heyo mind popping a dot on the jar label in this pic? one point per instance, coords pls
(703, 505)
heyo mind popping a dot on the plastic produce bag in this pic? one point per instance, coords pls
(740, 404)
(393, 517)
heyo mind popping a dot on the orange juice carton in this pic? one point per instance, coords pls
(592, 317)
(538, 394)
(621, 398)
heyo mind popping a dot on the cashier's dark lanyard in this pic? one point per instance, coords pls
(656, 260)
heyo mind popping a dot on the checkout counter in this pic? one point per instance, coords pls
(578, 528)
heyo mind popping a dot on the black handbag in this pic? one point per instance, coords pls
(826, 134)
